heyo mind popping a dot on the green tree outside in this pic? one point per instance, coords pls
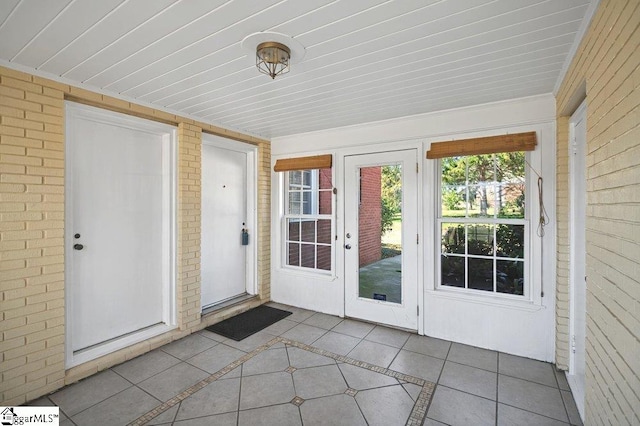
(391, 191)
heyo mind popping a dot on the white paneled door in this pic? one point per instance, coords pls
(118, 236)
(227, 206)
(381, 268)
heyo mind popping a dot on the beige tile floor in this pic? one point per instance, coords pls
(312, 368)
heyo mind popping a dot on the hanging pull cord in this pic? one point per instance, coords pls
(543, 220)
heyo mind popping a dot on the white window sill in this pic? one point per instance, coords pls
(485, 299)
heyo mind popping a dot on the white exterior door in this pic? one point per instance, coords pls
(381, 288)
(118, 242)
(577, 275)
(226, 199)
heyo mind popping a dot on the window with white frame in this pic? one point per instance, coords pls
(308, 219)
(483, 224)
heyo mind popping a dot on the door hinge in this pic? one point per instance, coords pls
(573, 343)
(417, 169)
(417, 238)
(418, 310)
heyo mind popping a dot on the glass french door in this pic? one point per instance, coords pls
(381, 229)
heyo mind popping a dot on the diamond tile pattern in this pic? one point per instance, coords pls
(319, 369)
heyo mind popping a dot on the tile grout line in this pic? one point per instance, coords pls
(153, 375)
(537, 414)
(61, 410)
(135, 385)
(564, 403)
(195, 354)
(175, 416)
(102, 400)
(524, 380)
(239, 395)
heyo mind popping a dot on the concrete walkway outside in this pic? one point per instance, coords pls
(383, 277)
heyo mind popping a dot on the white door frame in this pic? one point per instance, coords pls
(169, 133)
(251, 259)
(411, 309)
(577, 255)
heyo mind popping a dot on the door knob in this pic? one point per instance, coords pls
(78, 246)
(347, 246)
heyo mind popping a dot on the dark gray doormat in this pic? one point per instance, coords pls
(248, 323)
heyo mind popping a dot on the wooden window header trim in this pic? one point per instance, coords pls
(486, 145)
(304, 163)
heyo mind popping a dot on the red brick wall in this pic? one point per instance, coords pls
(325, 196)
(369, 222)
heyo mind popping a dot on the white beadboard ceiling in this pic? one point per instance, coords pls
(366, 60)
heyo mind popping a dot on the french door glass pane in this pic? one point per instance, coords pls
(380, 233)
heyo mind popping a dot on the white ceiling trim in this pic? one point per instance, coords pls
(591, 10)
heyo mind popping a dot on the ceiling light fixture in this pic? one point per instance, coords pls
(272, 52)
(273, 58)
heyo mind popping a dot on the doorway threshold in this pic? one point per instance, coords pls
(236, 300)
